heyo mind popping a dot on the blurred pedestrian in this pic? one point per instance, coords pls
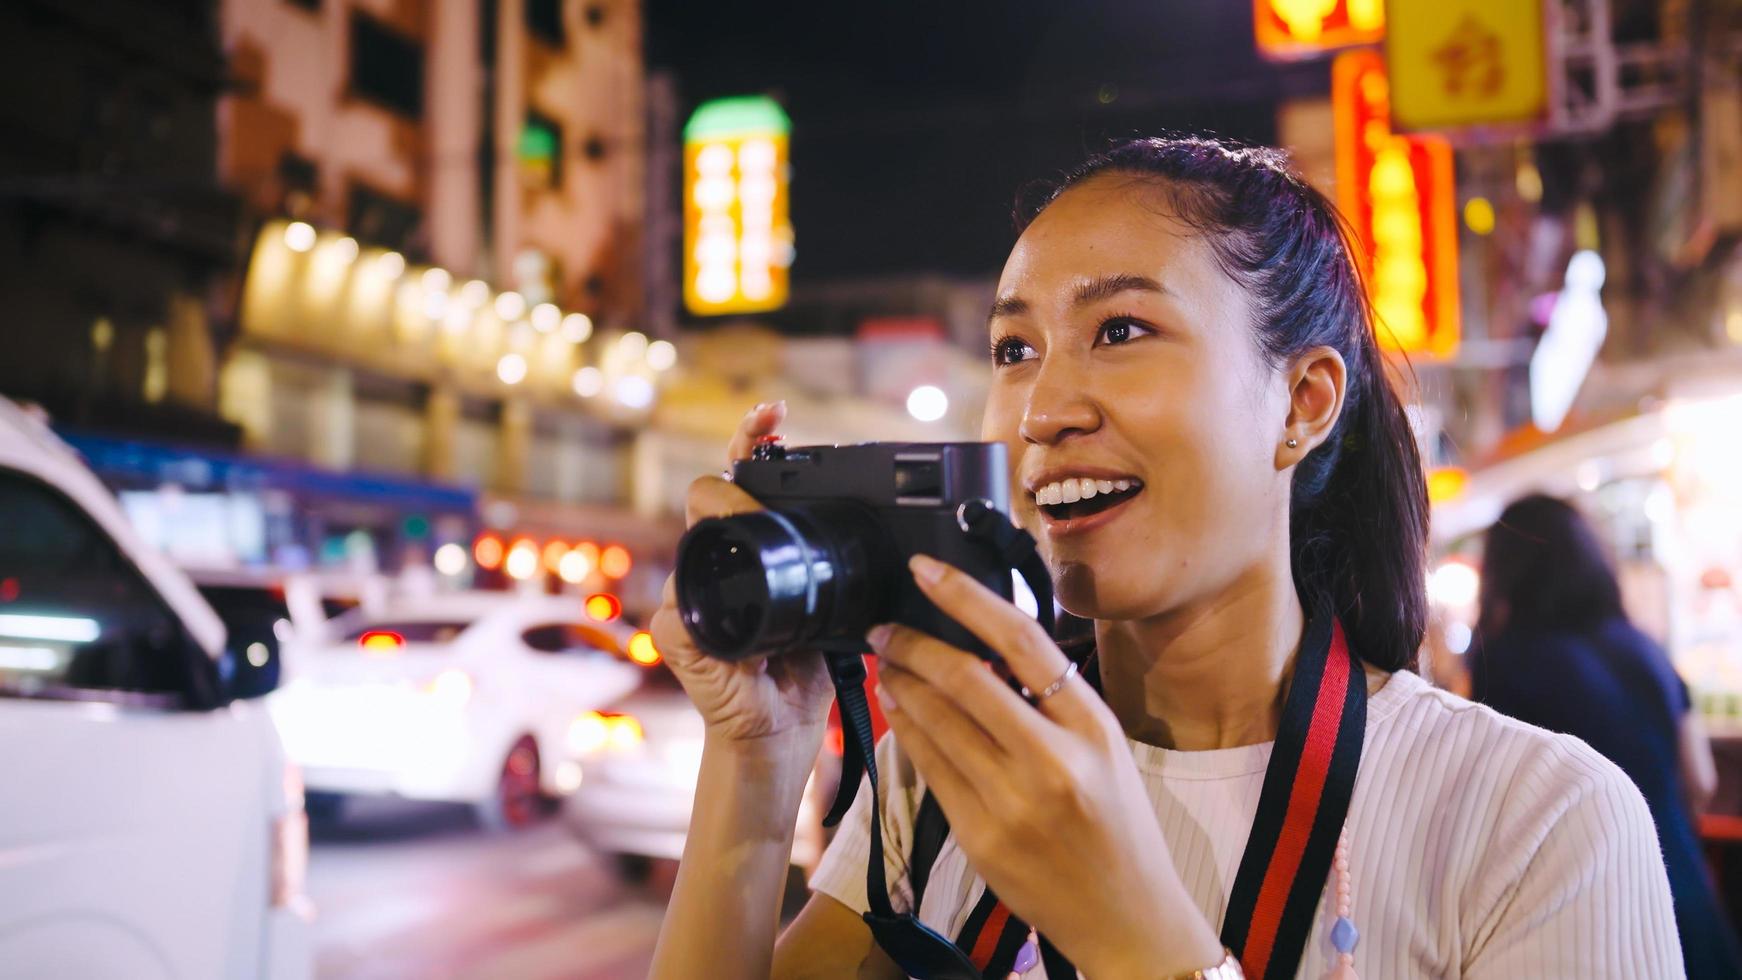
(1556, 649)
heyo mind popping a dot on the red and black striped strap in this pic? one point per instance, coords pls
(1307, 787)
(1301, 808)
(992, 937)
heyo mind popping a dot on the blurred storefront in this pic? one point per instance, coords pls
(212, 511)
(442, 271)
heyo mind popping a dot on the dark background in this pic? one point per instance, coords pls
(916, 123)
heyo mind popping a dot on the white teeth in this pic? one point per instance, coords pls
(1073, 489)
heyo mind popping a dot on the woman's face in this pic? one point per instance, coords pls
(1124, 356)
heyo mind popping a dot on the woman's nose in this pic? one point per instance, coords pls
(1059, 405)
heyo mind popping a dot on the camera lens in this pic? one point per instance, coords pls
(766, 583)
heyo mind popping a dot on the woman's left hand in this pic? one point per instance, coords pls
(1044, 799)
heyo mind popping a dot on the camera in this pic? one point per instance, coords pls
(827, 559)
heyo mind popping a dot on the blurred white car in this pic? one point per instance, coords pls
(639, 769)
(469, 698)
(149, 824)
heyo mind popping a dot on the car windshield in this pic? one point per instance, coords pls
(410, 630)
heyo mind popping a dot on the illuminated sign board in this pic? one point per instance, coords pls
(1465, 62)
(1291, 29)
(1569, 346)
(1397, 192)
(737, 232)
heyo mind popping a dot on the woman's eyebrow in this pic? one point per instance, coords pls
(1007, 306)
(1086, 292)
(1104, 287)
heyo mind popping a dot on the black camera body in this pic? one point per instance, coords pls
(828, 558)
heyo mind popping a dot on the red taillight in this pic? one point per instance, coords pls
(642, 650)
(603, 607)
(381, 641)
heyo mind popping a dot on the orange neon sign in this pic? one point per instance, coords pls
(1291, 29)
(1397, 191)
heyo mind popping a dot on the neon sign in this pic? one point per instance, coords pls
(1397, 192)
(737, 229)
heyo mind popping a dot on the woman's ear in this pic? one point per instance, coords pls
(1317, 379)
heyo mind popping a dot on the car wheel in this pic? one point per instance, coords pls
(518, 801)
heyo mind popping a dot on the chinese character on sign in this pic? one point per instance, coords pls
(1471, 61)
(1466, 63)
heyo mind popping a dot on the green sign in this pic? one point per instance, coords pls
(744, 115)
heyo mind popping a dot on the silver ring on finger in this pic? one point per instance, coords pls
(1056, 686)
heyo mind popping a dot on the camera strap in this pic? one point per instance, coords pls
(919, 950)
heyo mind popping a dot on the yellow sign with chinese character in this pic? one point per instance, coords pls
(1465, 62)
(737, 233)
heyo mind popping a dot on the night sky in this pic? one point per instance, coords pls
(915, 123)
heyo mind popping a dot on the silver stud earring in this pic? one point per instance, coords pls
(1292, 443)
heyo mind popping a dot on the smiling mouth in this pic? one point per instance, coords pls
(1089, 507)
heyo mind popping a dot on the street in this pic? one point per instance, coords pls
(417, 890)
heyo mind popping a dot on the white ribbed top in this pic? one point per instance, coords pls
(1479, 847)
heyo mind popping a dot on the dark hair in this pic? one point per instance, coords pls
(1544, 568)
(1358, 512)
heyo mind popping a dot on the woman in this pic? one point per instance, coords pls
(1556, 650)
(1180, 328)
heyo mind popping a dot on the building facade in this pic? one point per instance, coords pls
(444, 201)
(114, 229)
(488, 153)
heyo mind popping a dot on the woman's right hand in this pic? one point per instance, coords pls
(762, 701)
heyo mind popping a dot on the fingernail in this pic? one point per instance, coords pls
(759, 408)
(879, 635)
(927, 569)
(884, 699)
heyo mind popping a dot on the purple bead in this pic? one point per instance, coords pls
(1026, 957)
(1344, 935)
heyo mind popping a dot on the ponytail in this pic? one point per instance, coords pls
(1358, 523)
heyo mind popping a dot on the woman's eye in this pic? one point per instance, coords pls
(1009, 351)
(1121, 330)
